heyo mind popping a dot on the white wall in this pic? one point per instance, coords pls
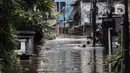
(22, 47)
(85, 10)
(30, 46)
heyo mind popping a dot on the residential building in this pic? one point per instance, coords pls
(64, 8)
(75, 18)
(81, 15)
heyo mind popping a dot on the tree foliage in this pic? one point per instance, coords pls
(7, 45)
(20, 14)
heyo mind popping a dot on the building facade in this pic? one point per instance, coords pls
(64, 8)
(81, 15)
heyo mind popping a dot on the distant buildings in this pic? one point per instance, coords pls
(78, 15)
(64, 8)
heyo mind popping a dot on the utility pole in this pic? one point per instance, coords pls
(64, 20)
(94, 2)
(126, 39)
(110, 31)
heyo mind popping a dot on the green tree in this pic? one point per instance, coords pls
(17, 13)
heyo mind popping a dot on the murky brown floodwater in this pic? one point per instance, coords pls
(25, 66)
(29, 66)
(64, 56)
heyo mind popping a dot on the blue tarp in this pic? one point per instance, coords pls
(59, 19)
(67, 14)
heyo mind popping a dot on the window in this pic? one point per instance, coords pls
(62, 4)
(59, 6)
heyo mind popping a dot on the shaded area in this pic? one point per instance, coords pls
(30, 66)
(25, 66)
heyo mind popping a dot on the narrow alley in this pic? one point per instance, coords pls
(64, 36)
(66, 55)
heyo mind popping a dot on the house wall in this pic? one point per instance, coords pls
(86, 14)
(30, 46)
(85, 8)
(67, 10)
(22, 47)
(86, 11)
(64, 15)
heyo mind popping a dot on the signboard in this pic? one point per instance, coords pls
(120, 9)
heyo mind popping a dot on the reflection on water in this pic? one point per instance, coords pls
(64, 56)
(25, 66)
(29, 66)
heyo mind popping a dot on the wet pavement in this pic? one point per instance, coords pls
(65, 55)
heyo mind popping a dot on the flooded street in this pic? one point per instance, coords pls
(64, 36)
(65, 55)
